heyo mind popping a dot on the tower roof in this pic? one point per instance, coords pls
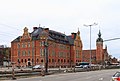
(99, 39)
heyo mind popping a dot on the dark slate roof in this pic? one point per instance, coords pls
(37, 31)
(52, 35)
(17, 39)
(71, 40)
(58, 37)
(99, 39)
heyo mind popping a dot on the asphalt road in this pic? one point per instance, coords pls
(101, 75)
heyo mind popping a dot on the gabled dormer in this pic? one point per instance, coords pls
(44, 34)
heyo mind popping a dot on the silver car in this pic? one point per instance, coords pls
(38, 67)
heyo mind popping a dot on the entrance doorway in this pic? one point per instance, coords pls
(29, 64)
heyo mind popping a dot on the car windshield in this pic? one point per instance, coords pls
(82, 63)
(37, 66)
(116, 74)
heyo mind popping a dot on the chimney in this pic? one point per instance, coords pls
(35, 28)
(46, 29)
(73, 35)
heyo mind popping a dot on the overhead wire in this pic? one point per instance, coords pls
(7, 35)
(9, 26)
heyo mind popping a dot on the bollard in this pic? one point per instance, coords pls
(42, 73)
(13, 74)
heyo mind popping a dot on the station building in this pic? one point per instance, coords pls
(61, 50)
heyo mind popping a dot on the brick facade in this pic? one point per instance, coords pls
(98, 55)
(29, 49)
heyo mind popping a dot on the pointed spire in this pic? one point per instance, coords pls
(99, 39)
(105, 46)
(78, 32)
(99, 34)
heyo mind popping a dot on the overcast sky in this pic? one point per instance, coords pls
(64, 16)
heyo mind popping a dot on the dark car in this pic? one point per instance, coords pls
(116, 76)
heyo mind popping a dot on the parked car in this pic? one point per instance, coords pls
(116, 76)
(38, 67)
(82, 66)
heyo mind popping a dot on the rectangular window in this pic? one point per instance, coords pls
(33, 52)
(41, 52)
(32, 43)
(42, 43)
(77, 54)
(18, 45)
(53, 53)
(64, 54)
(18, 53)
(28, 52)
(23, 53)
(59, 54)
(22, 45)
(68, 48)
(68, 54)
(28, 44)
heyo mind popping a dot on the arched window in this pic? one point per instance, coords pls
(25, 60)
(42, 60)
(64, 60)
(37, 60)
(49, 60)
(52, 60)
(22, 60)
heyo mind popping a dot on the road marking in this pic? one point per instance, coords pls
(101, 79)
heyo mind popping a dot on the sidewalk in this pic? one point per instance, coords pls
(10, 69)
(16, 69)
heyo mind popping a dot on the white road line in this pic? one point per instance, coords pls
(101, 79)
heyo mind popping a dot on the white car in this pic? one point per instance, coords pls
(116, 76)
(38, 67)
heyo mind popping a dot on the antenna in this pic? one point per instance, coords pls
(39, 25)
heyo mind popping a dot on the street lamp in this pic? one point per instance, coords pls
(90, 38)
(46, 55)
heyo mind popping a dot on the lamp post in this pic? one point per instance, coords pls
(90, 38)
(46, 55)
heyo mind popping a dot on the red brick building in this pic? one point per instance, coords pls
(29, 49)
(98, 55)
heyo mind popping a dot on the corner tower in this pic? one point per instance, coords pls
(99, 49)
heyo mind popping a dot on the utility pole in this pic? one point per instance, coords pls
(90, 39)
(32, 54)
(46, 55)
